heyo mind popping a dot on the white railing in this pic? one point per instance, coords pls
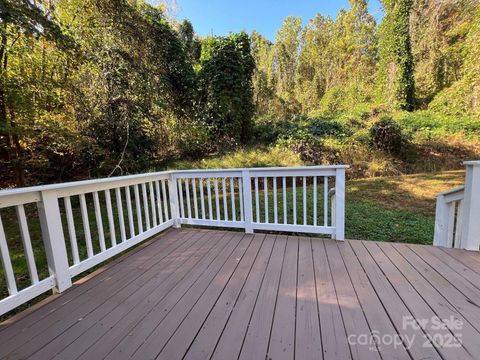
(85, 223)
(457, 216)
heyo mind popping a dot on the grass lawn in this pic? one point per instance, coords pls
(400, 208)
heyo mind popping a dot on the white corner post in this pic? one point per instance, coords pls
(440, 236)
(470, 237)
(339, 205)
(247, 201)
(53, 239)
(174, 206)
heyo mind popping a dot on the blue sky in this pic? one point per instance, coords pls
(265, 16)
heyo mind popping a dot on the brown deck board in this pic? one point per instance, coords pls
(394, 305)
(232, 273)
(255, 344)
(460, 268)
(282, 338)
(352, 313)
(472, 261)
(334, 337)
(231, 340)
(377, 318)
(450, 276)
(135, 329)
(65, 316)
(467, 309)
(153, 285)
(308, 343)
(435, 300)
(10, 329)
(203, 344)
(210, 283)
(201, 294)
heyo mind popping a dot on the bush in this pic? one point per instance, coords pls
(386, 135)
(193, 141)
(324, 128)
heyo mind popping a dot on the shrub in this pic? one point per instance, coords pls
(194, 141)
(324, 128)
(388, 136)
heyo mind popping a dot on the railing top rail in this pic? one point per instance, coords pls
(283, 169)
(452, 191)
(83, 183)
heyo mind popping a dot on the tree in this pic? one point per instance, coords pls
(225, 104)
(439, 30)
(136, 84)
(285, 61)
(28, 32)
(190, 42)
(315, 62)
(396, 67)
(337, 54)
(263, 77)
(463, 96)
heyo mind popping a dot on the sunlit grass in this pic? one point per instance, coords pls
(243, 158)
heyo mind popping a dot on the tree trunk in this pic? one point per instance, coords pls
(17, 160)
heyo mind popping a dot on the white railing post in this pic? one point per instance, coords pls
(470, 236)
(174, 205)
(339, 204)
(440, 237)
(53, 239)
(331, 195)
(247, 201)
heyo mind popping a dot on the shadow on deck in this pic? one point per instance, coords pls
(199, 294)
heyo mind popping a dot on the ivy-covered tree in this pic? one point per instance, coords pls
(136, 84)
(225, 104)
(396, 67)
(189, 40)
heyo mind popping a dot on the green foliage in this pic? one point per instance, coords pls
(396, 74)
(96, 87)
(225, 96)
(432, 123)
(263, 81)
(114, 80)
(285, 58)
(463, 96)
(438, 32)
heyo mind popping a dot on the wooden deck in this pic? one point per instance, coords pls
(199, 294)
